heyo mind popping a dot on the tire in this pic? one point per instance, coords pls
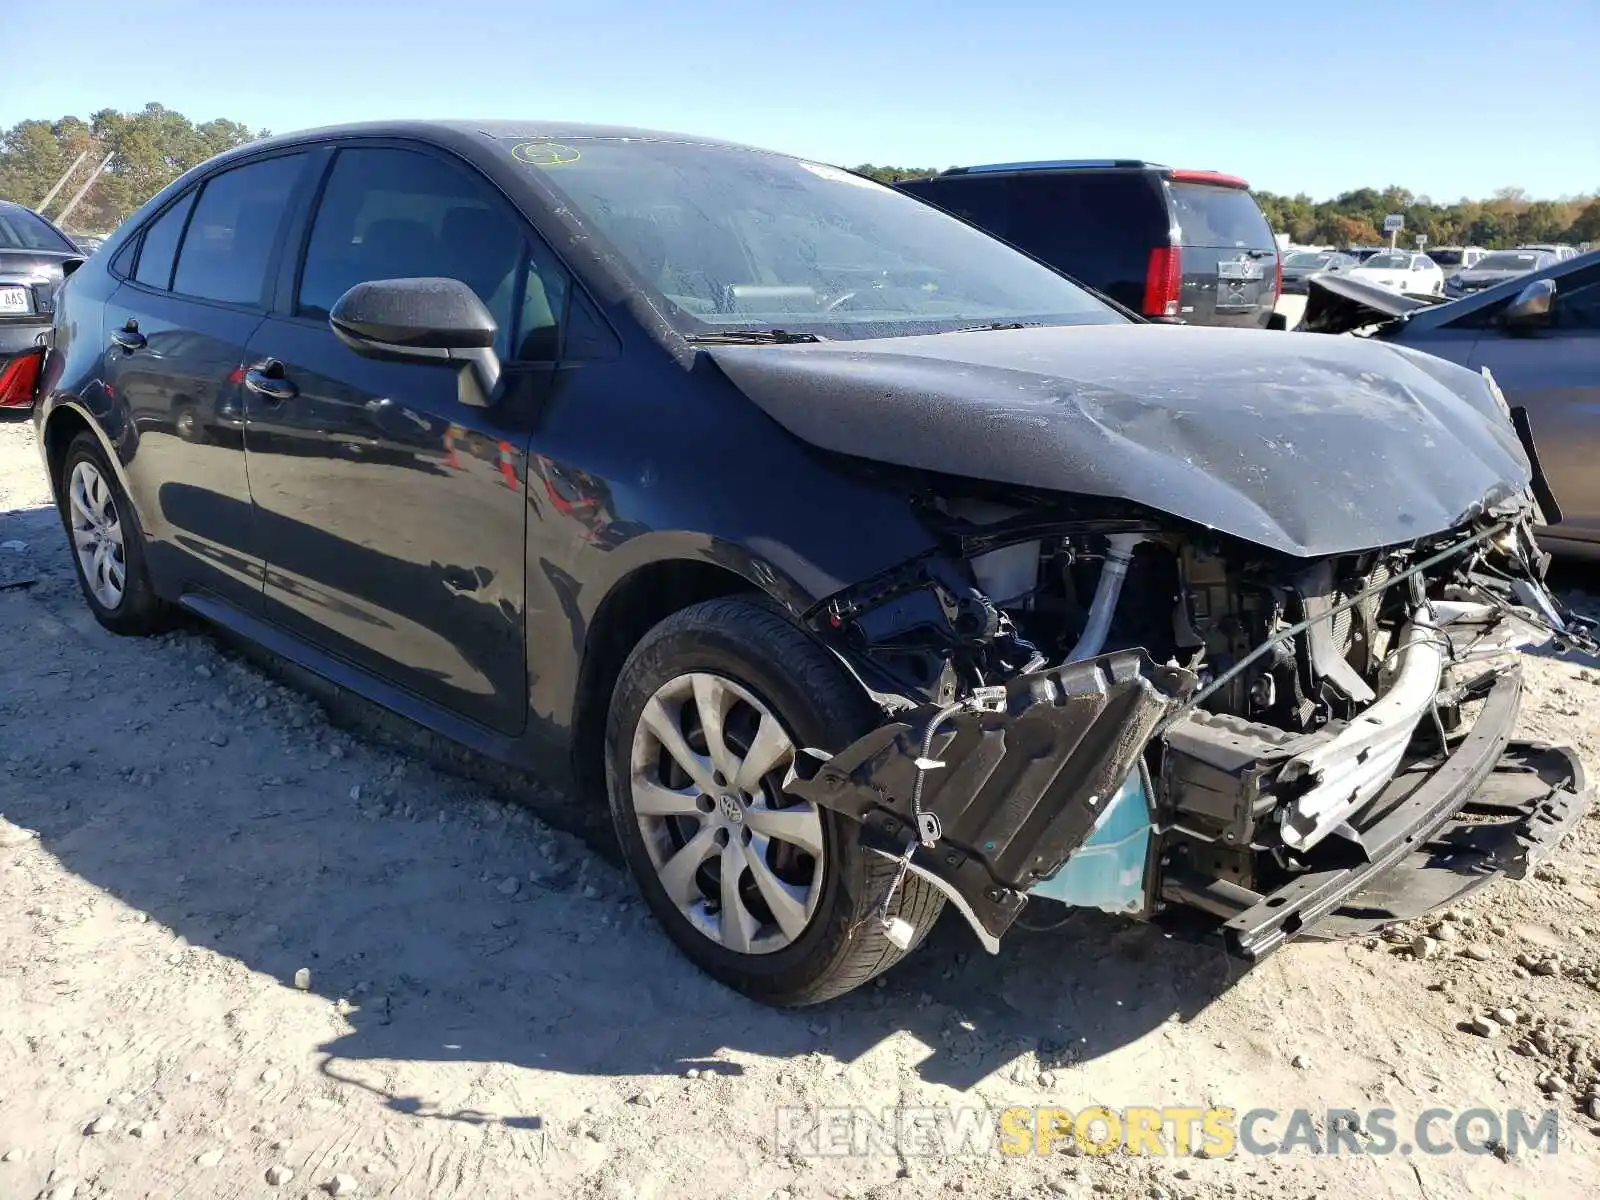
(749, 661)
(187, 424)
(133, 609)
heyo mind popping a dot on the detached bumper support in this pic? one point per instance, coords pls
(1021, 788)
(1435, 841)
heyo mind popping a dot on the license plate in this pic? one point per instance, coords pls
(14, 300)
(1240, 268)
(1239, 283)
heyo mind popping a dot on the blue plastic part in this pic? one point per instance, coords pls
(1107, 871)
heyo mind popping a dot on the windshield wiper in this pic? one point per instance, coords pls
(1000, 325)
(752, 337)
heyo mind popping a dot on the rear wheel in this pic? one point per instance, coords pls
(766, 892)
(107, 549)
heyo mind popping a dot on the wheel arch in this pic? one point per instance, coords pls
(65, 423)
(634, 604)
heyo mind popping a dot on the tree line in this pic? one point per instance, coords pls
(1508, 218)
(155, 145)
(149, 149)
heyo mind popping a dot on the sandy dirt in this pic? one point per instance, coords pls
(489, 1010)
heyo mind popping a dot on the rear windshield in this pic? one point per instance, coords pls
(1219, 216)
(1389, 262)
(1304, 259)
(737, 239)
(21, 230)
(1447, 258)
(1522, 260)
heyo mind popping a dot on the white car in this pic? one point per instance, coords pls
(1403, 270)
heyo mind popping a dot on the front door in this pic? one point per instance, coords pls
(1555, 374)
(177, 330)
(392, 516)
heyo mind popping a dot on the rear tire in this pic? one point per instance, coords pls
(106, 544)
(768, 689)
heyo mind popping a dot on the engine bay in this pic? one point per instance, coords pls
(1281, 701)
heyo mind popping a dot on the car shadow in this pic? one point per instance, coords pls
(394, 902)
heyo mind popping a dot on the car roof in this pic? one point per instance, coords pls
(495, 129)
(1060, 164)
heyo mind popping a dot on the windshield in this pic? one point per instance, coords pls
(21, 230)
(732, 239)
(1389, 262)
(1447, 258)
(1306, 259)
(1523, 260)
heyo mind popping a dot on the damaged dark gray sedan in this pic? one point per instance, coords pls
(863, 563)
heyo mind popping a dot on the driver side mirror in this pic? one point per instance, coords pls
(438, 321)
(1533, 308)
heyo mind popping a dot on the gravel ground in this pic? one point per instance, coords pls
(246, 952)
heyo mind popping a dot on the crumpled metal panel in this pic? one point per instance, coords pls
(1309, 445)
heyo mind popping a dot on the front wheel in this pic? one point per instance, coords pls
(766, 892)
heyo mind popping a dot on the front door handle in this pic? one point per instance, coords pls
(269, 379)
(129, 337)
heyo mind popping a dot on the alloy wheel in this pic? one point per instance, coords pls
(97, 534)
(741, 859)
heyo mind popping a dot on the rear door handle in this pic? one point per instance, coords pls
(268, 379)
(129, 337)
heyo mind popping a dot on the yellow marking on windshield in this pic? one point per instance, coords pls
(545, 154)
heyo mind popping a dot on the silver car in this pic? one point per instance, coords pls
(1539, 335)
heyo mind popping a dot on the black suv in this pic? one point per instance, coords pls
(1188, 246)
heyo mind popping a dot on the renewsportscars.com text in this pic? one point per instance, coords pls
(1170, 1130)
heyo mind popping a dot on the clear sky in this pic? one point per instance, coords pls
(1445, 98)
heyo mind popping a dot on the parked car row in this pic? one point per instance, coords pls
(859, 561)
(1498, 267)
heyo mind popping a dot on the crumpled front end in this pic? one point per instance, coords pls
(1098, 706)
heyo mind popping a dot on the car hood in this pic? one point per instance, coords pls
(1303, 444)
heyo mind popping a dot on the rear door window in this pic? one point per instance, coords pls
(1219, 216)
(1578, 300)
(231, 236)
(161, 245)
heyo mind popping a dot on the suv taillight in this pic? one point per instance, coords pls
(1277, 280)
(1163, 282)
(19, 379)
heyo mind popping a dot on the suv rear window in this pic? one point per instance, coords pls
(1219, 216)
(21, 230)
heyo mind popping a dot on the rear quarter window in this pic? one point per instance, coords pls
(979, 199)
(1099, 228)
(1219, 216)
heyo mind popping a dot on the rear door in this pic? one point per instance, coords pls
(177, 328)
(1230, 260)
